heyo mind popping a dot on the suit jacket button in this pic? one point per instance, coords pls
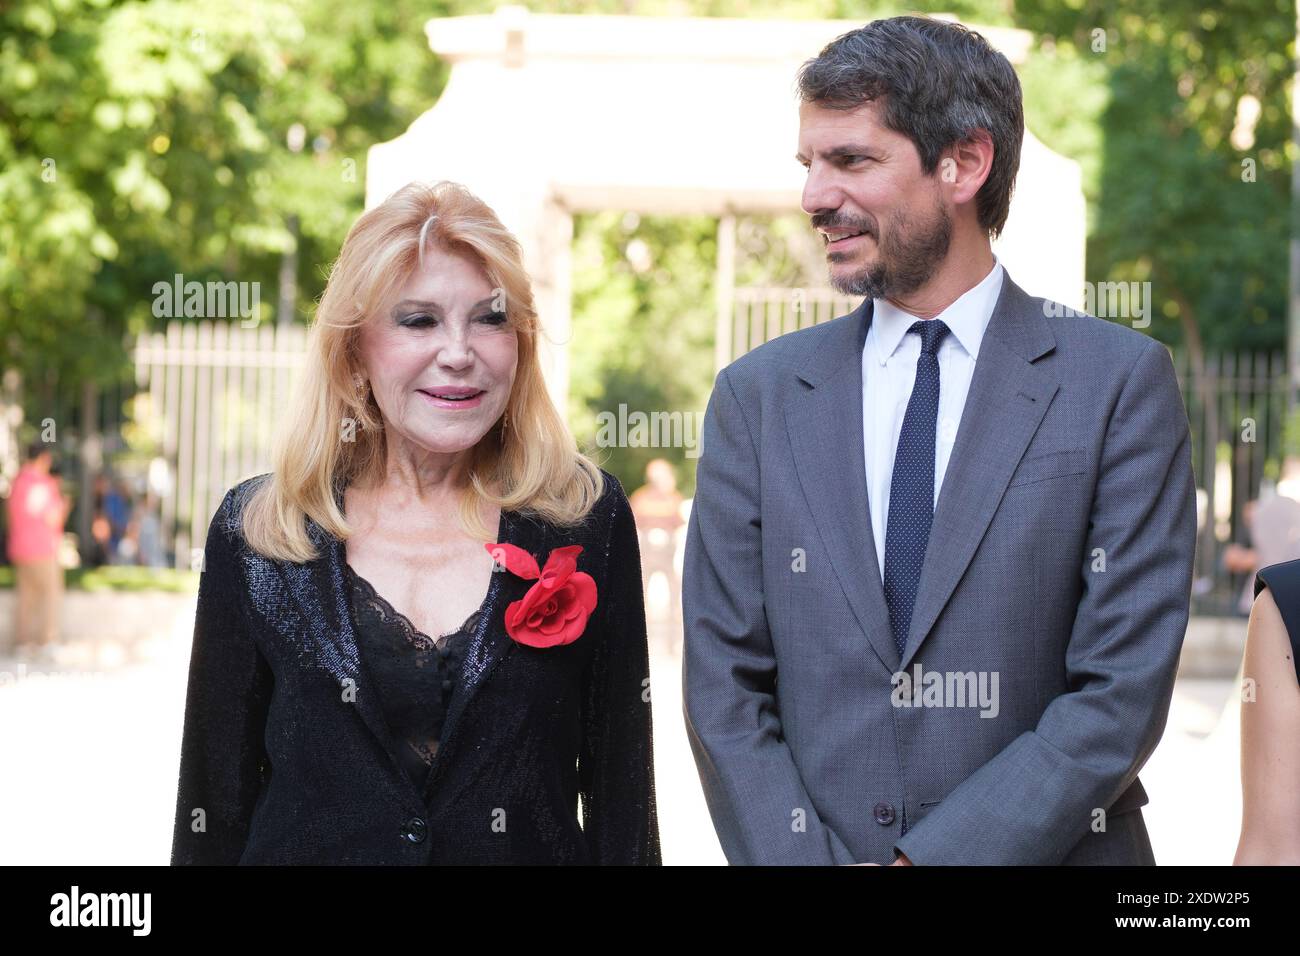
(415, 830)
(884, 814)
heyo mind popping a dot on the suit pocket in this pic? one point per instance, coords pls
(1053, 464)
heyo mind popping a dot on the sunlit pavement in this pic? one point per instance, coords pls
(1194, 777)
(89, 755)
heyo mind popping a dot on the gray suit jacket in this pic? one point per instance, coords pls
(1058, 573)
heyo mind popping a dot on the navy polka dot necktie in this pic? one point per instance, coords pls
(911, 489)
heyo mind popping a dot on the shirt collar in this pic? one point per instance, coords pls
(967, 318)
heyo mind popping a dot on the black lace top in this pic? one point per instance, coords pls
(415, 674)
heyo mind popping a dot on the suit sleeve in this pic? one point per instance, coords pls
(1039, 796)
(761, 810)
(616, 761)
(228, 694)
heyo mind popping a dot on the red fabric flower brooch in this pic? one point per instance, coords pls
(556, 608)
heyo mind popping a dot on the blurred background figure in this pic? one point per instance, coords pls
(657, 507)
(117, 508)
(146, 531)
(1273, 525)
(37, 512)
(111, 522)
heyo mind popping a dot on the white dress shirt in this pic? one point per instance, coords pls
(888, 371)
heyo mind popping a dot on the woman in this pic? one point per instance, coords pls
(424, 485)
(1270, 722)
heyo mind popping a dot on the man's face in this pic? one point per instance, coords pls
(885, 223)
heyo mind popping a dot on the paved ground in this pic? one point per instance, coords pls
(89, 759)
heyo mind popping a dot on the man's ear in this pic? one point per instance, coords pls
(965, 166)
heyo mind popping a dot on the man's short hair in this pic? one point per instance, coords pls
(938, 82)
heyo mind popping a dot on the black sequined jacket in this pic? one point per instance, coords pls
(286, 756)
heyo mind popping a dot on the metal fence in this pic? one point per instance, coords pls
(761, 313)
(215, 391)
(1237, 409)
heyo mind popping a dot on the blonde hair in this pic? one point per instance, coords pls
(533, 466)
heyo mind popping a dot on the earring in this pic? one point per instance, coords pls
(505, 421)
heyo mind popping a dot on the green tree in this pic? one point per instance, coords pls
(140, 140)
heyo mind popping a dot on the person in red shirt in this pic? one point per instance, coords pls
(37, 512)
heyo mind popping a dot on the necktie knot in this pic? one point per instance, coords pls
(932, 332)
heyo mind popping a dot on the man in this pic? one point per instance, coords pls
(939, 562)
(37, 512)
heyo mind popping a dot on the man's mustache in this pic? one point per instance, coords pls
(820, 223)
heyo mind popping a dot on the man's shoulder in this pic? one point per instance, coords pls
(1082, 335)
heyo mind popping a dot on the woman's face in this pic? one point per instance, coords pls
(441, 361)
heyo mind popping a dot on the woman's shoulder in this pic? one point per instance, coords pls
(230, 513)
(1283, 579)
(1274, 629)
(611, 493)
(613, 508)
(605, 520)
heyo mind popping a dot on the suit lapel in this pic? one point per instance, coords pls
(314, 608)
(1007, 400)
(825, 432)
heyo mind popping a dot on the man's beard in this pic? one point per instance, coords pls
(907, 259)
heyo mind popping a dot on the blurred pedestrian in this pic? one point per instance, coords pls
(657, 507)
(149, 534)
(1273, 524)
(37, 513)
